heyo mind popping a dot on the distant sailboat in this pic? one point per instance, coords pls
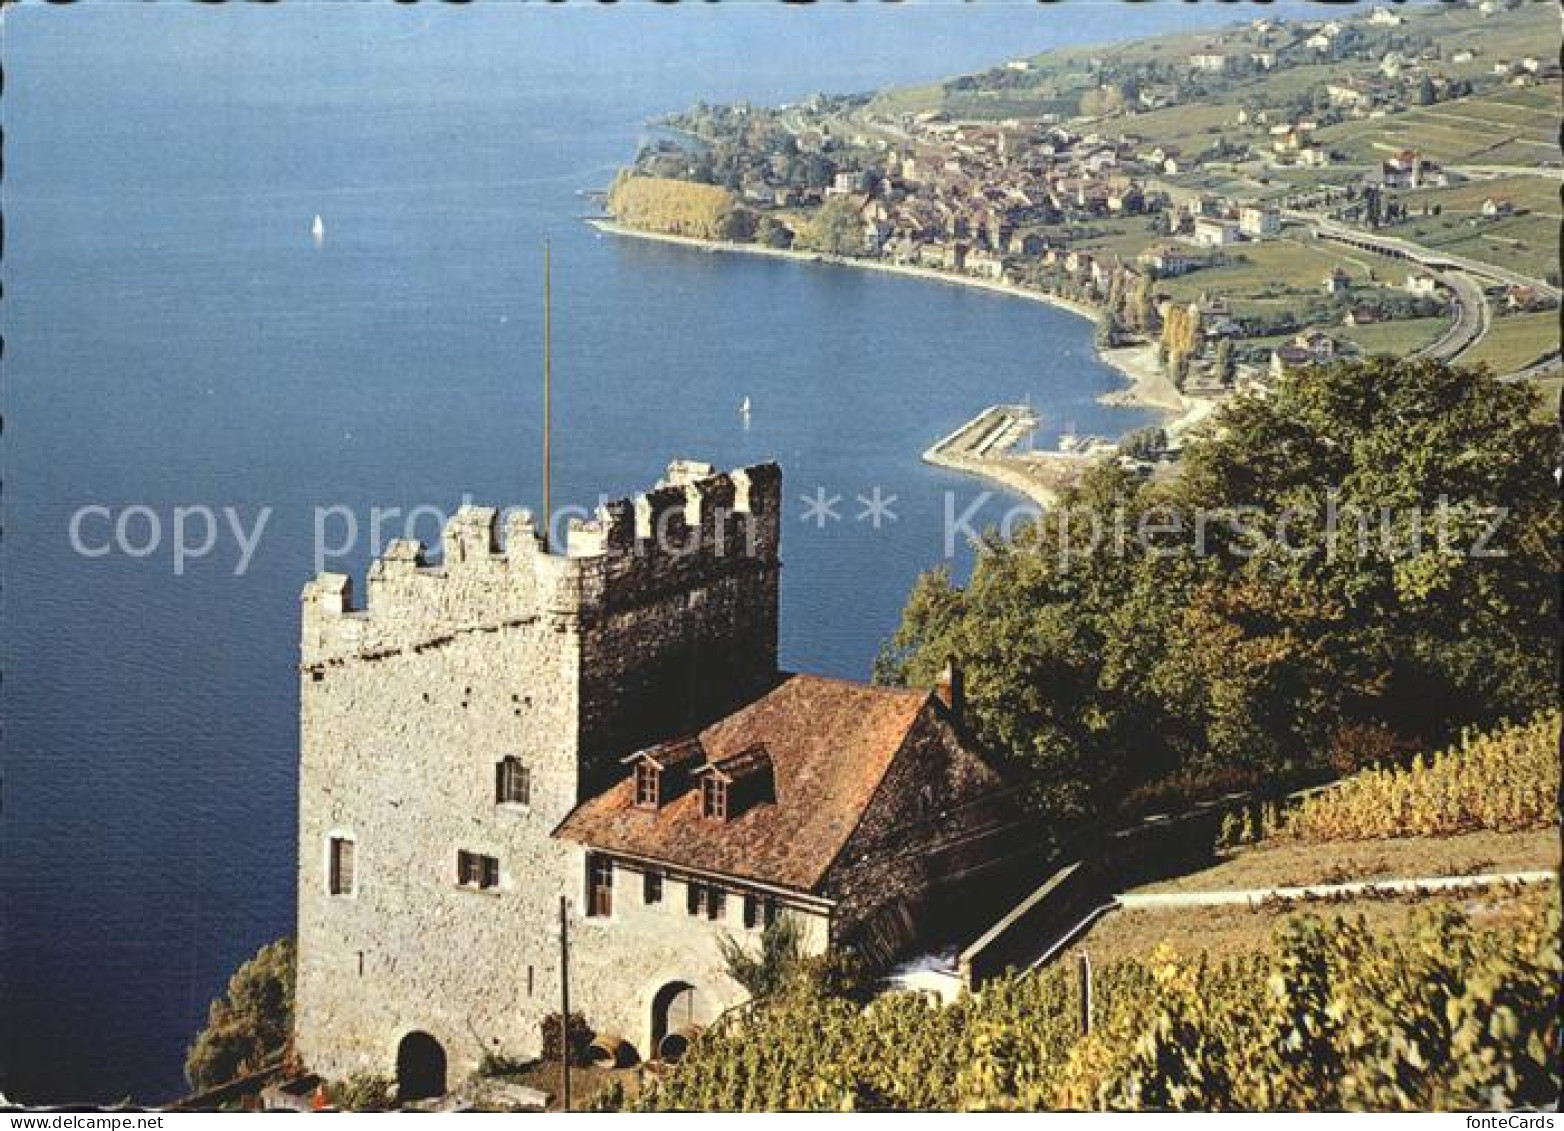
(318, 228)
(744, 408)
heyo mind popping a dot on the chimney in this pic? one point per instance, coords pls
(950, 689)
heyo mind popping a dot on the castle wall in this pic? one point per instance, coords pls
(399, 754)
(564, 661)
(620, 962)
(686, 629)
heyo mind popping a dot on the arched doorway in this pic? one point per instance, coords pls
(673, 1009)
(420, 1068)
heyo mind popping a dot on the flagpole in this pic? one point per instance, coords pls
(548, 501)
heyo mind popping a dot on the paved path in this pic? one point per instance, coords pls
(1472, 317)
(1459, 275)
(1251, 897)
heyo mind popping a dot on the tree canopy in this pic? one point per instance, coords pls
(251, 1024)
(682, 208)
(1333, 556)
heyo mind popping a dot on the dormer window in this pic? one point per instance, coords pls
(731, 785)
(648, 784)
(714, 798)
(661, 772)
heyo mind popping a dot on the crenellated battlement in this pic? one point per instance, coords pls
(695, 528)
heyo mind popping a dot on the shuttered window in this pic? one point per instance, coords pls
(474, 870)
(707, 900)
(341, 875)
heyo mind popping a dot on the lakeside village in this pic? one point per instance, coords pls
(1227, 205)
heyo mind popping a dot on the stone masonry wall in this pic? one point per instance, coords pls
(408, 704)
(920, 811)
(620, 962)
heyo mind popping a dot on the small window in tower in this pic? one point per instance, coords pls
(695, 898)
(648, 785)
(474, 870)
(714, 798)
(600, 886)
(512, 782)
(341, 872)
(751, 911)
(716, 902)
(651, 887)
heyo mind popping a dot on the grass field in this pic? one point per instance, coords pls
(1338, 862)
(1552, 390)
(1268, 269)
(1399, 338)
(1506, 126)
(1222, 932)
(1517, 341)
(1533, 194)
(1527, 243)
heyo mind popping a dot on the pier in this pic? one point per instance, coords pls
(986, 446)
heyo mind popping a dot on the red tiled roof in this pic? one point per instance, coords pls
(668, 755)
(746, 763)
(829, 743)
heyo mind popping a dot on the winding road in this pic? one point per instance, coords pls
(1457, 274)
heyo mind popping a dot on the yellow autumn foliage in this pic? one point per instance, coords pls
(1506, 779)
(674, 207)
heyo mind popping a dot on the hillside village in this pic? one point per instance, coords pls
(1296, 191)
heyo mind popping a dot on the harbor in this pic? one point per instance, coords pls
(990, 446)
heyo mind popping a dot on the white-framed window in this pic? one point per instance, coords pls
(477, 871)
(600, 886)
(714, 798)
(341, 865)
(648, 785)
(512, 782)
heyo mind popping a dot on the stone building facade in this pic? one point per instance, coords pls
(606, 724)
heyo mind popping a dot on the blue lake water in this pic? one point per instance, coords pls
(174, 338)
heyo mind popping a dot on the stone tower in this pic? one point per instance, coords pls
(450, 724)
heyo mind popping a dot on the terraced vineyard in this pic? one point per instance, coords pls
(1440, 1008)
(1505, 780)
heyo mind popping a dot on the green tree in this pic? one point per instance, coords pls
(1143, 311)
(773, 966)
(1110, 330)
(835, 228)
(1225, 368)
(770, 232)
(1236, 642)
(251, 1024)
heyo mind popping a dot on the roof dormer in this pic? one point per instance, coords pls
(731, 785)
(662, 772)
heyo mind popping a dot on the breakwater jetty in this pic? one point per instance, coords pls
(986, 446)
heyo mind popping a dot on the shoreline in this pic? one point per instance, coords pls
(1149, 388)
